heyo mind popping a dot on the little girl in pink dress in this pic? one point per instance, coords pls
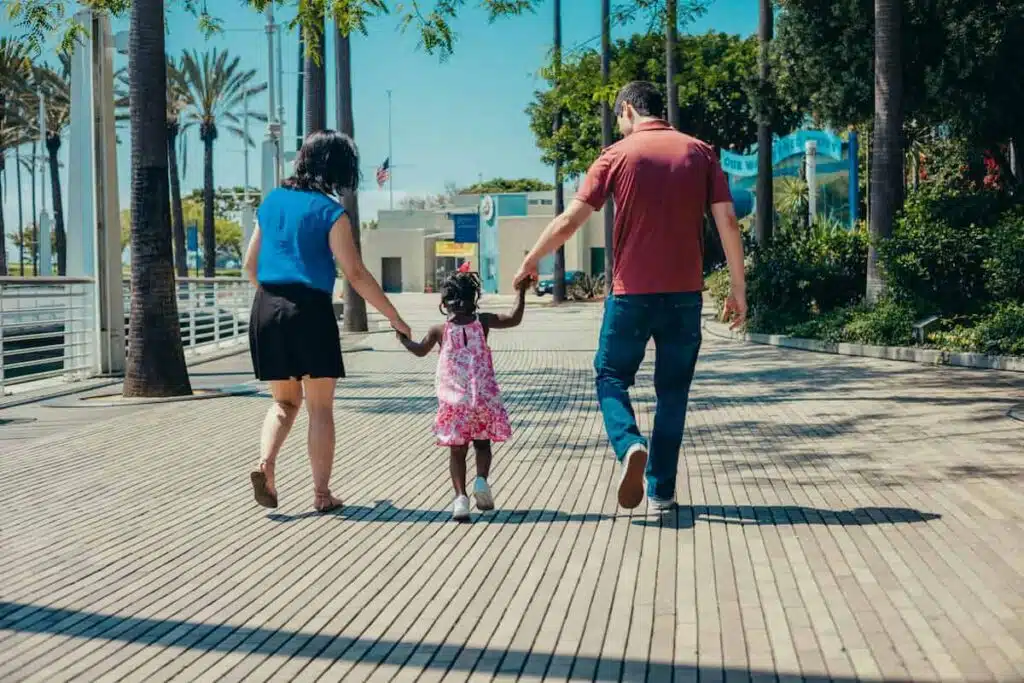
(469, 407)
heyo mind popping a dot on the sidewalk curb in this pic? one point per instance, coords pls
(978, 361)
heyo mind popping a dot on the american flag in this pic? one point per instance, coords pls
(384, 172)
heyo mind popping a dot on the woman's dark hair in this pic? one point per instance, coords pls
(460, 294)
(643, 96)
(328, 162)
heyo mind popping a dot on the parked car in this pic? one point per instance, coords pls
(546, 285)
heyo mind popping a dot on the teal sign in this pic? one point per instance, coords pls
(745, 165)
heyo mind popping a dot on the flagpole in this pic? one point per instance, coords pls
(391, 161)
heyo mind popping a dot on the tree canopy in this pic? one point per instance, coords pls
(961, 63)
(500, 185)
(716, 84)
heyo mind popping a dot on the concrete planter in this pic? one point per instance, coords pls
(895, 353)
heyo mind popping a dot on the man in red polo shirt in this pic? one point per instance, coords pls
(662, 182)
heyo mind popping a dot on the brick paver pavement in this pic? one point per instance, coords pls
(843, 519)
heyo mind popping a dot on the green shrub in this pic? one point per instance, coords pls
(718, 285)
(1004, 267)
(888, 323)
(959, 338)
(804, 273)
(829, 327)
(1002, 332)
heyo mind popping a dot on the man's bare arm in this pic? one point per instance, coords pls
(732, 243)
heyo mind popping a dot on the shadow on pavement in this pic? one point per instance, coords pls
(686, 516)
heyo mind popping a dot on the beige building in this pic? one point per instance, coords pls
(411, 250)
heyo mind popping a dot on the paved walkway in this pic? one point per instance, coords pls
(844, 519)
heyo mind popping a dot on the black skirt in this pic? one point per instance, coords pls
(293, 334)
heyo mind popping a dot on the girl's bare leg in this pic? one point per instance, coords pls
(320, 407)
(482, 449)
(457, 467)
(287, 395)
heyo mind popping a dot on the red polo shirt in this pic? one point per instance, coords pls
(662, 182)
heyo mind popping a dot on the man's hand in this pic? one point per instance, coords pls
(734, 311)
(524, 284)
(527, 274)
(399, 326)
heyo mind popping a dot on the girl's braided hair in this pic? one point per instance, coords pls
(460, 294)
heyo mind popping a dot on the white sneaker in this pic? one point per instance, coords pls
(659, 505)
(631, 482)
(482, 494)
(460, 509)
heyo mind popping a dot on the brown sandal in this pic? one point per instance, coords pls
(260, 489)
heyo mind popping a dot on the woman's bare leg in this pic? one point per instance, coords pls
(287, 395)
(320, 406)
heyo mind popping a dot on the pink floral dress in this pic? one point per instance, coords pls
(469, 400)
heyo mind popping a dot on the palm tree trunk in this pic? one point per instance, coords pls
(177, 214)
(354, 316)
(671, 63)
(53, 147)
(209, 225)
(299, 109)
(156, 360)
(3, 235)
(316, 83)
(21, 212)
(558, 293)
(887, 169)
(35, 214)
(606, 141)
(764, 191)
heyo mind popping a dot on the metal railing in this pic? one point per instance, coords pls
(47, 328)
(212, 312)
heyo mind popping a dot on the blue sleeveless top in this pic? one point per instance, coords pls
(294, 247)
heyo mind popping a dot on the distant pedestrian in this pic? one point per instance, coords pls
(293, 332)
(469, 407)
(662, 182)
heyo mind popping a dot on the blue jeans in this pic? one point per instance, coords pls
(630, 321)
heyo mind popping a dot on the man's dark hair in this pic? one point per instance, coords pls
(643, 96)
(328, 162)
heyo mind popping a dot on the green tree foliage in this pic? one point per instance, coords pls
(716, 87)
(961, 63)
(227, 231)
(501, 185)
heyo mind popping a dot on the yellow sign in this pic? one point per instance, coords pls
(443, 248)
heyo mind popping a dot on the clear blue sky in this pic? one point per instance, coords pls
(455, 121)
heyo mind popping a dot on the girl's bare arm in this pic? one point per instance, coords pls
(422, 348)
(504, 321)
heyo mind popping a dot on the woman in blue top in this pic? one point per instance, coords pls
(293, 334)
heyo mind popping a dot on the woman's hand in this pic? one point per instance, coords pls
(399, 326)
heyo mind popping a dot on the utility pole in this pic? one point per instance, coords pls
(391, 161)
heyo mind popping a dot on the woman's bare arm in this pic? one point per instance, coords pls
(252, 257)
(422, 348)
(343, 246)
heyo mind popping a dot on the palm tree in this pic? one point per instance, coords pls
(315, 81)
(176, 101)
(765, 200)
(215, 89)
(671, 62)
(354, 318)
(156, 359)
(606, 137)
(14, 70)
(558, 293)
(56, 87)
(887, 168)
